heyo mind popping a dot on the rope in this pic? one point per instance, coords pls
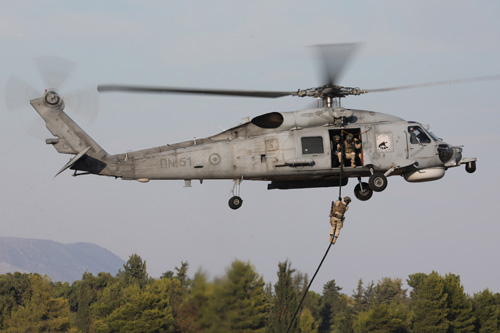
(307, 289)
(341, 162)
(329, 245)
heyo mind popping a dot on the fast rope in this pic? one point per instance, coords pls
(329, 245)
(341, 163)
(307, 289)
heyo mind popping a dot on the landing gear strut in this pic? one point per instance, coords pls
(235, 202)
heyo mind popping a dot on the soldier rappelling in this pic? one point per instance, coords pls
(337, 212)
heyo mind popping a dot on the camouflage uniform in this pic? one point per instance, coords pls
(357, 146)
(337, 217)
(337, 148)
(349, 151)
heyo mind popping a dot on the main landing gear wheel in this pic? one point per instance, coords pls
(377, 182)
(363, 191)
(235, 202)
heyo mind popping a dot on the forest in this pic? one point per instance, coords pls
(240, 301)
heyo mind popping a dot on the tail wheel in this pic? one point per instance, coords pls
(235, 202)
(363, 192)
(470, 167)
(378, 182)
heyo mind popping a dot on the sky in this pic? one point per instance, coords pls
(448, 226)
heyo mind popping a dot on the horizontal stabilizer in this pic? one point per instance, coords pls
(73, 161)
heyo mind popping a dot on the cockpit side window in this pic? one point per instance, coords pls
(417, 135)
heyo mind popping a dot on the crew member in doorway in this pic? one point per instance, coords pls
(337, 212)
(337, 149)
(357, 146)
(349, 151)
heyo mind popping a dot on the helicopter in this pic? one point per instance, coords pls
(324, 146)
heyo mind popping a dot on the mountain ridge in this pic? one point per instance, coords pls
(61, 262)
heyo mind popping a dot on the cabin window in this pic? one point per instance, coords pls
(312, 145)
(417, 135)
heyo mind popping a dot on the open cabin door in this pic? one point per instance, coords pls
(338, 139)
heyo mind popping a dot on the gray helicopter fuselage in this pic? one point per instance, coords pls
(274, 147)
(289, 149)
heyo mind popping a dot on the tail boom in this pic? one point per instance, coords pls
(69, 138)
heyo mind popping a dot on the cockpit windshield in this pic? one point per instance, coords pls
(433, 136)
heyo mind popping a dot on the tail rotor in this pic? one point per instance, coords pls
(54, 72)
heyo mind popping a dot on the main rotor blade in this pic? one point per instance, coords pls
(437, 83)
(171, 90)
(334, 58)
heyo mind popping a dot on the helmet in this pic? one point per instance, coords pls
(347, 199)
(336, 137)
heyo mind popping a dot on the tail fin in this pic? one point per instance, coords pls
(69, 137)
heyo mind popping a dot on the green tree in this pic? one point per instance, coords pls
(108, 300)
(460, 313)
(430, 307)
(15, 290)
(388, 290)
(143, 310)
(182, 274)
(134, 271)
(85, 293)
(344, 319)
(334, 313)
(307, 323)
(384, 318)
(486, 309)
(41, 313)
(197, 307)
(184, 318)
(359, 301)
(416, 281)
(285, 300)
(240, 302)
(86, 296)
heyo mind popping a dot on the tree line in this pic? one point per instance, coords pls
(239, 301)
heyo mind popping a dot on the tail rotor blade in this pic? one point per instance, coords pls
(18, 93)
(84, 102)
(55, 71)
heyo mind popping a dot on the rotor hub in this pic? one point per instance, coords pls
(52, 98)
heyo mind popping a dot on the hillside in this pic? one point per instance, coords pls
(61, 262)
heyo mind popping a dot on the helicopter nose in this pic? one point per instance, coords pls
(449, 155)
(445, 152)
(457, 154)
